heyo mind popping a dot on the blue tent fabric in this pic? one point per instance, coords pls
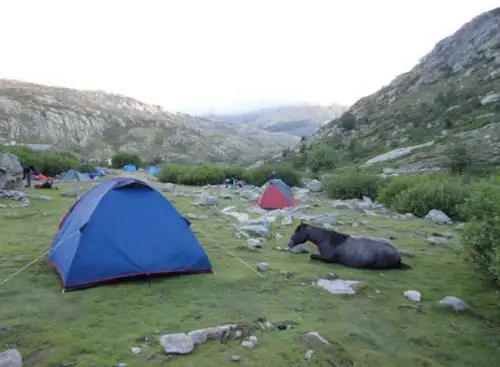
(283, 187)
(121, 228)
(73, 175)
(130, 168)
(153, 170)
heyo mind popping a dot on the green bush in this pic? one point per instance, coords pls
(353, 185)
(120, 160)
(86, 168)
(433, 194)
(322, 158)
(285, 172)
(49, 163)
(481, 236)
(397, 185)
(198, 175)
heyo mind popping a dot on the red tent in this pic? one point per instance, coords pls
(276, 195)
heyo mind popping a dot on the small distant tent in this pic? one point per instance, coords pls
(276, 195)
(153, 170)
(123, 228)
(73, 175)
(130, 168)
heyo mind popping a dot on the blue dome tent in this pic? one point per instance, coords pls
(130, 168)
(123, 228)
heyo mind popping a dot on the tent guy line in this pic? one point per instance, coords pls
(234, 255)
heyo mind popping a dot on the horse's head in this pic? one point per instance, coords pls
(299, 236)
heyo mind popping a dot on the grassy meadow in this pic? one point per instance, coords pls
(377, 326)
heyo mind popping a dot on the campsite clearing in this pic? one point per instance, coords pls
(377, 326)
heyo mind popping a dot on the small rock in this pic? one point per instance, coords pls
(247, 344)
(253, 243)
(434, 240)
(121, 365)
(238, 334)
(299, 249)
(235, 358)
(11, 358)
(73, 193)
(341, 204)
(207, 200)
(287, 220)
(241, 235)
(309, 355)
(313, 185)
(135, 350)
(314, 340)
(413, 295)
(262, 266)
(191, 216)
(179, 343)
(169, 187)
(407, 253)
(456, 303)
(278, 236)
(438, 216)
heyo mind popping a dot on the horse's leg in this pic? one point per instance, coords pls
(316, 257)
(326, 254)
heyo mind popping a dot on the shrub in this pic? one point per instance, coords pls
(48, 162)
(322, 158)
(399, 184)
(120, 160)
(432, 194)
(285, 172)
(481, 239)
(200, 174)
(353, 185)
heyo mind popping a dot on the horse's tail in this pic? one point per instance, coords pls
(402, 266)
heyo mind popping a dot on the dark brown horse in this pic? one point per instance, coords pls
(351, 251)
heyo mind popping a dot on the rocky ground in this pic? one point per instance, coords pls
(265, 305)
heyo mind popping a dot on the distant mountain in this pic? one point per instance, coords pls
(451, 98)
(100, 124)
(292, 119)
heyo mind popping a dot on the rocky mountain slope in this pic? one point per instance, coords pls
(451, 96)
(297, 120)
(100, 124)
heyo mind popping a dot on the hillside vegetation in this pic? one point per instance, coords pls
(450, 98)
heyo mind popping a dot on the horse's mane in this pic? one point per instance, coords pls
(336, 238)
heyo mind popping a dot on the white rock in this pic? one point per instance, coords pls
(413, 295)
(135, 350)
(286, 221)
(262, 266)
(313, 185)
(309, 354)
(438, 216)
(337, 286)
(247, 344)
(456, 303)
(253, 243)
(179, 343)
(11, 358)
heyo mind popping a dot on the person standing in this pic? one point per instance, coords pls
(27, 173)
(272, 176)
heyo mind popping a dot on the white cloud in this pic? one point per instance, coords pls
(200, 54)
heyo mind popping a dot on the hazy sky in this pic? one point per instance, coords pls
(197, 55)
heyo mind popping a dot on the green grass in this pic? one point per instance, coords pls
(97, 326)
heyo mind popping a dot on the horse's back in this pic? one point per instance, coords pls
(368, 252)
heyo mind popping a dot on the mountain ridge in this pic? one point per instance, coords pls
(102, 124)
(296, 119)
(451, 97)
